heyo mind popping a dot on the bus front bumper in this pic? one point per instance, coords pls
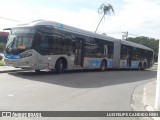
(19, 63)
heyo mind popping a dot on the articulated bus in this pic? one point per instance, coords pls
(47, 45)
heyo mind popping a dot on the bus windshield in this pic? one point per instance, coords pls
(19, 40)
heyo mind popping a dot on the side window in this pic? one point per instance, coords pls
(44, 43)
(134, 56)
(68, 44)
(57, 44)
(71, 45)
(100, 48)
(87, 47)
(63, 43)
(94, 47)
(123, 52)
(150, 54)
(110, 46)
(39, 42)
(142, 54)
(127, 52)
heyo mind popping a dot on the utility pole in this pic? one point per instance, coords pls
(124, 35)
(157, 97)
(9, 19)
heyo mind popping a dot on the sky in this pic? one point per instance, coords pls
(138, 17)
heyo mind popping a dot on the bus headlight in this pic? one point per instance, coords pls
(26, 54)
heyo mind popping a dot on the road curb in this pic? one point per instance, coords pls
(138, 100)
(147, 100)
(149, 97)
(7, 71)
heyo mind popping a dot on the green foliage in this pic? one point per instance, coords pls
(3, 39)
(2, 46)
(1, 63)
(105, 10)
(149, 42)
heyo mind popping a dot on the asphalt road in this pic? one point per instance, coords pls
(71, 91)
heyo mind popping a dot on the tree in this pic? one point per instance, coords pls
(2, 46)
(105, 10)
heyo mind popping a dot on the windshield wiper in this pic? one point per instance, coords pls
(10, 44)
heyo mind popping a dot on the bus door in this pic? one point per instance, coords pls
(79, 56)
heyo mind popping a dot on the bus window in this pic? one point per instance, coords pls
(87, 48)
(42, 45)
(110, 46)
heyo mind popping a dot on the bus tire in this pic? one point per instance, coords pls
(144, 66)
(103, 66)
(37, 71)
(59, 66)
(140, 66)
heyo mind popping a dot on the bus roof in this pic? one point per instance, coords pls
(67, 28)
(135, 45)
(81, 32)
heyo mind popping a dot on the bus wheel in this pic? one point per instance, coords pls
(144, 66)
(103, 66)
(140, 66)
(37, 71)
(59, 66)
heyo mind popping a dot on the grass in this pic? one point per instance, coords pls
(1, 63)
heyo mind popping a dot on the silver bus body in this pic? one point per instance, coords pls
(82, 57)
